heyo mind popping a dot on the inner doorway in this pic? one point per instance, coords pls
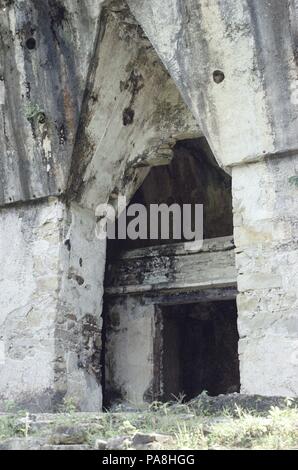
(198, 349)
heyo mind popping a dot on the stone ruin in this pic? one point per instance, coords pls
(163, 101)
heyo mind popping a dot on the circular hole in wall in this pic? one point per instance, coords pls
(31, 44)
(218, 76)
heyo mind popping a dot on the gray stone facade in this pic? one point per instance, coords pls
(92, 96)
(265, 218)
(50, 313)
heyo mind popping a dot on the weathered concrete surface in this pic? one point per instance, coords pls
(235, 63)
(129, 362)
(64, 101)
(266, 222)
(82, 132)
(132, 115)
(78, 320)
(173, 267)
(46, 47)
(70, 128)
(29, 251)
(50, 324)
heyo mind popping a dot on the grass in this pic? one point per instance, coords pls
(191, 426)
(194, 428)
(12, 426)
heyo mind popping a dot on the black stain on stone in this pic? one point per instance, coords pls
(58, 12)
(12, 116)
(41, 118)
(28, 90)
(90, 355)
(133, 84)
(76, 277)
(62, 135)
(94, 97)
(80, 280)
(49, 71)
(128, 116)
(84, 148)
(272, 35)
(67, 243)
(58, 15)
(293, 11)
(6, 3)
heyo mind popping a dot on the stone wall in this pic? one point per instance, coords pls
(129, 365)
(29, 254)
(45, 52)
(235, 63)
(266, 221)
(86, 108)
(78, 320)
(50, 307)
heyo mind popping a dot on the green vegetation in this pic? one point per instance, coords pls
(13, 426)
(194, 428)
(195, 425)
(293, 180)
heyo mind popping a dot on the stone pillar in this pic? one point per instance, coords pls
(129, 364)
(266, 222)
(52, 268)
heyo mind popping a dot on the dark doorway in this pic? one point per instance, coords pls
(193, 177)
(199, 349)
(195, 345)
